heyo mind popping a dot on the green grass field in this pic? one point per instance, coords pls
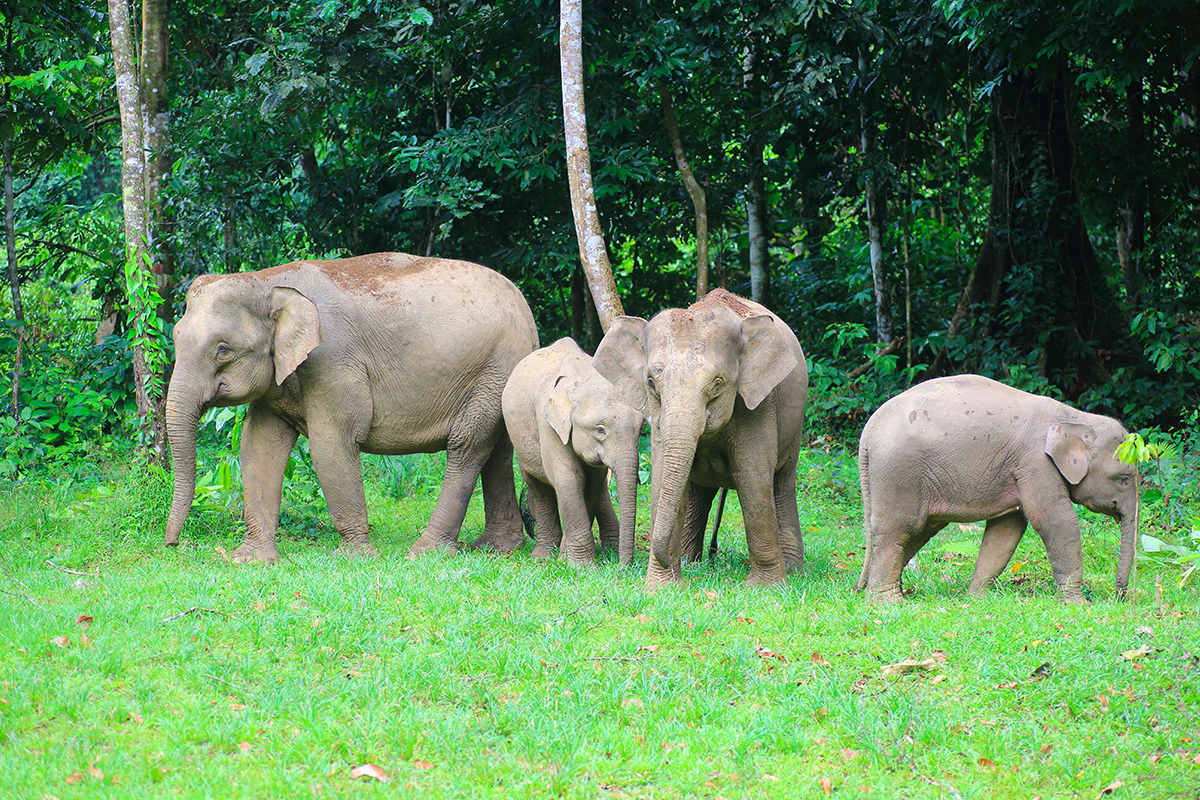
(161, 673)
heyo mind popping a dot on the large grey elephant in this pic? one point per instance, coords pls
(386, 353)
(723, 383)
(570, 426)
(966, 448)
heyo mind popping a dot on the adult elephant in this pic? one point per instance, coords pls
(724, 383)
(966, 448)
(386, 353)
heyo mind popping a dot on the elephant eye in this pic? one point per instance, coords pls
(600, 431)
(222, 351)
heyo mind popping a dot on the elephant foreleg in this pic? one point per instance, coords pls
(600, 507)
(266, 444)
(578, 546)
(1058, 525)
(1001, 536)
(791, 539)
(695, 519)
(338, 464)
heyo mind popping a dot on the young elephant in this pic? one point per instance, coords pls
(569, 426)
(385, 353)
(723, 383)
(966, 448)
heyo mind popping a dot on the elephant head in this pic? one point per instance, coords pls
(689, 369)
(1085, 454)
(237, 340)
(589, 416)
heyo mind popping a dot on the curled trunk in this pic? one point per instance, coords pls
(183, 416)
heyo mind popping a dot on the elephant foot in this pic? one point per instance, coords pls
(887, 598)
(250, 553)
(356, 549)
(1075, 600)
(504, 541)
(582, 563)
(542, 551)
(428, 543)
(766, 577)
(794, 566)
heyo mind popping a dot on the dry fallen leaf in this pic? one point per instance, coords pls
(1112, 787)
(370, 771)
(649, 648)
(74, 777)
(643, 618)
(819, 660)
(826, 786)
(632, 702)
(135, 717)
(908, 665)
(937, 679)
(770, 777)
(766, 652)
(745, 620)
(419, 764)
(985, 763)
(1046, 748)
(61, 641)
(244, 746)
(1008, 685)
(84, 620)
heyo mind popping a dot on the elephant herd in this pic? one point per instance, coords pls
(392, 354)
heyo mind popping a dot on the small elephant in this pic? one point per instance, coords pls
(386, 353)
(966, 448)
(724, 384)
(569, 426)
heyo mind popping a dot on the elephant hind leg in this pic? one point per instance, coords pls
(1001, 536)
(502, 529)
(695, 519)
(791, 539)
(894, 544)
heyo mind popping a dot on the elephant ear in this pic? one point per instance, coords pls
(297, 330)
(557, 409)
(621, 358)
(766, 359)
(1069, 445)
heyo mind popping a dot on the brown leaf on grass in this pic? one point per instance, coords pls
(95, 772)
(245, 747)
(908, 665)
(135, 717)
(745, 620)
(937, 679)
(84, 641)
(84, 620)
(770, 777)
(1112, 787)
(766, 652)
(1007, 685)
(827, 786)
(819, 660)
(1154, 759)
(632, 701)
(61, 641)
(1104, 706)
(260, 606)
(236, 706)
(643, 618)
(1045, 749)
(939, 656)
(419, 764)
(848, 754)
(370, 771)
(985, 763)
(649, 648)
(74, 778)
(1043, 671)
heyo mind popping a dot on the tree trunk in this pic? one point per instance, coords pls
(592, 251)
(14, 274)
(1037, 285)
(134, 158)
(756, 198)
(694, 190)
(883, 310)
(1131, 229)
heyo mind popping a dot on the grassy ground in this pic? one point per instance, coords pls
(162, 673)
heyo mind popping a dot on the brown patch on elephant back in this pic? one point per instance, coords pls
(726, 299)
(365, 273)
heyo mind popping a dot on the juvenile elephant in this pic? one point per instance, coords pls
(569, 427)
(966, 448)
(724, 384)
(384, 353)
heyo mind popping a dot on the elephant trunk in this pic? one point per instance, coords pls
(1129, 526)
(626, 471)
(183, 416)
(673, 461)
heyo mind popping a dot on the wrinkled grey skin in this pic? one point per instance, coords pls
(723, 383)
(384, 353)
(569, 426)
(966, 448)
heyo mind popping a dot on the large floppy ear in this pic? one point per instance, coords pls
(621, 358)
(1069, 445)
(766, 359)
(557, 409)
(297, 330)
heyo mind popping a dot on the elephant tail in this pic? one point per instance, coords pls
(864, 483)
(526, 516)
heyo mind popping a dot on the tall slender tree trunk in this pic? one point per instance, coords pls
(1131, 228)
(592, 251)
(694, 190)
(883, 306)
(756, 196)
(14, 274)
(135, 137)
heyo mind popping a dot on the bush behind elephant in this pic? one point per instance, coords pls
(723, 383)
(967, 448)
(386, 353)
(569, 426)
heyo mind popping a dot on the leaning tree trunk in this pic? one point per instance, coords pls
(14, 275)
(592, 251)
(694, 190)
(1037, 284)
